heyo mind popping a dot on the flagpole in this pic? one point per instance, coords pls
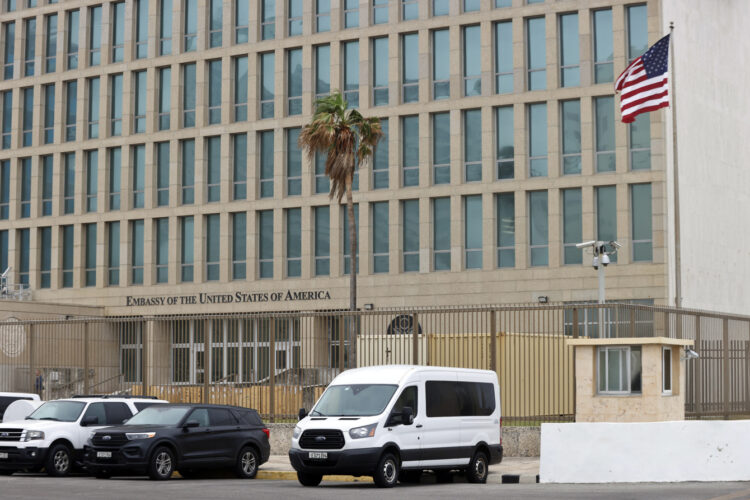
(677, 251)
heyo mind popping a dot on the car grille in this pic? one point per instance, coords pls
(10, 434)
(322, 439)
(109, 439)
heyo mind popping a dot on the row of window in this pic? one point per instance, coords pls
(536, 59)
(266, 238)
(168, 162)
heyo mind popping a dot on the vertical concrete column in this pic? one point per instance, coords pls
(457, 234)
(200, 171)
(554, 148)
(586, 46)
(149, 251)
(225, 247)
(101, 255)
(365, 238)
(488, 231)
(425, 144)
(78, 254)
(456, 147)
(307, 243)
(520, 142)
(251, 267)
(279, 244)
(34, 254)
(587, 137)
(107, 31)
(522, 230)
(425, 236)
(519, 55)
(551, 49)
(456, 60)
(623, 223)
(337, 243)
(395, 238)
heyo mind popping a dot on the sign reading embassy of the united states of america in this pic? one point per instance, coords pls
(227, 298)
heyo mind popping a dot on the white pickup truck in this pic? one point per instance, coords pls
(53, 436)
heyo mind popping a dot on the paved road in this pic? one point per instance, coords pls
(32, 487)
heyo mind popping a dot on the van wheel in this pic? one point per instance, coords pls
(161, 465)
(59, 461)
(409, 476)
(306, 479)
(247, 463)
(386, 473)
(478, 468)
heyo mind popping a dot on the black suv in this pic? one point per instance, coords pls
(186, 437)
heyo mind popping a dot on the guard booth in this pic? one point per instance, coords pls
(630, 379)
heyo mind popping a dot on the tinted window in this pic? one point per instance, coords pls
(452, 399)
(5, 401)
(200, 415)
(248, 417)
(96, 410)
(220, 416)
(408, 398)
(142, 406)
(116, 413)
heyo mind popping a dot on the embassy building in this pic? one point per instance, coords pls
(149, 161)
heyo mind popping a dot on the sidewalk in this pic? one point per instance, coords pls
(512, 469)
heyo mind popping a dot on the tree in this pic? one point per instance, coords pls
(348, 139)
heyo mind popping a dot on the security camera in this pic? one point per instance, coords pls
(586, 244)
(605, 260)
(689, 354)
(615, 244)
(596, 262)
(5, 273)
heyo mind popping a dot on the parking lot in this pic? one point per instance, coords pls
(39, 486)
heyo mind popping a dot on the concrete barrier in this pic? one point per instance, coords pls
(645, 452)
(517, 441)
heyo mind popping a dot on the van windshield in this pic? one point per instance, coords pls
(357, 400)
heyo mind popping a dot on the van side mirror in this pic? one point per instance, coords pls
(302, 413)
(90, 420)
(407, 415)
(191, 423)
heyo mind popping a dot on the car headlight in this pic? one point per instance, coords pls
(32, 435)
(139, 435)
(296, 432)
(363, 432)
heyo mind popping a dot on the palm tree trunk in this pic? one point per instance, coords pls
(351, 347)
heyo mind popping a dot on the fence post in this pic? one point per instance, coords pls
(272, 375)
(726, 368)
(698, 369)
(342, 344)
(493, 341)
(32, 366)
(86, 354)
(632, 322)
(414, 339)
(575, 322)
(206, 359)
(145, 347)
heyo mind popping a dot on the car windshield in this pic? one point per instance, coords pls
(159, 415)
(360, 400)
(61, 411)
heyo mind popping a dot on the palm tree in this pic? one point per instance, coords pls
(348, 139)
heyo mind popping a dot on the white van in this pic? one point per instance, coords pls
(392, 422)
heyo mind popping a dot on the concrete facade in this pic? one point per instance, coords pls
(703, 221)
(650, 403)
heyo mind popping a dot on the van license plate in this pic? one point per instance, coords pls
(3, 455)
(318, 454)
(103, 454)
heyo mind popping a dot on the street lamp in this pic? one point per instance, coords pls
(601, 260)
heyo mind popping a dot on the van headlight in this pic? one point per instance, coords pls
(366, 431)
(296, 432)
(32, 435)
(139, 435)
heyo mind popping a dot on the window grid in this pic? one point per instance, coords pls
(410, 236)
(294, 82)
(165, 81)
(569, 50)
(506, 229)
(186, 249)
(47, 171)
(9, 41)
(190, 36)
(441, 87)
(213, 169)
(214, 92)
(295, 17)
(141, 29)
(351, 13)
(322, 183)
(71, 103)
(69, 181)
(472, 73)
(136, 252)
(536, 54)
(25, 187)
(162, 174)
(241, 21)
(50, 51)
(49, 113)
(380, 243)
(92, 169)
(239, 171)
(93, 114)
(268, 20)
(351, 73)
(29, 46)
(322, 240)
(504, 143)
(265, 244)
(239, 245)
(188, 98)
(212, 240)
(322, 16)
(95, 35)
(293, 163)
(441, 234)
(380, 71)
(266, 164)
(570, 118)
(472, 145)
(138, 157)
(503, 57)
(71, 50)
(410, 150)
(165, 27)
(116, 105)
(215, 23)
(603, 53)
(380, 164)
(118, 31)
(472, 205)
(162, 249)
(410, 68)
(240, 88)
(113, 253)
(322, 71)
(267, 85)
(293, 242)
(139, 118)
(90, 255)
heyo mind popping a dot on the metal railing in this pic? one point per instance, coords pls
(280, 362)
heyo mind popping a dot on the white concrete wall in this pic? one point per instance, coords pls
(645, 452)
(711, 47)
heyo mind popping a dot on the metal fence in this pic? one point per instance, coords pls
(280, 362)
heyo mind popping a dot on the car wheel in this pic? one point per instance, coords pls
(59, 461)
(161, 465)
(409, 476)
(247, 463)
(386, 473)
(306, 479)
(478, 468)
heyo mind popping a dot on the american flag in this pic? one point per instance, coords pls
(644, 85)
